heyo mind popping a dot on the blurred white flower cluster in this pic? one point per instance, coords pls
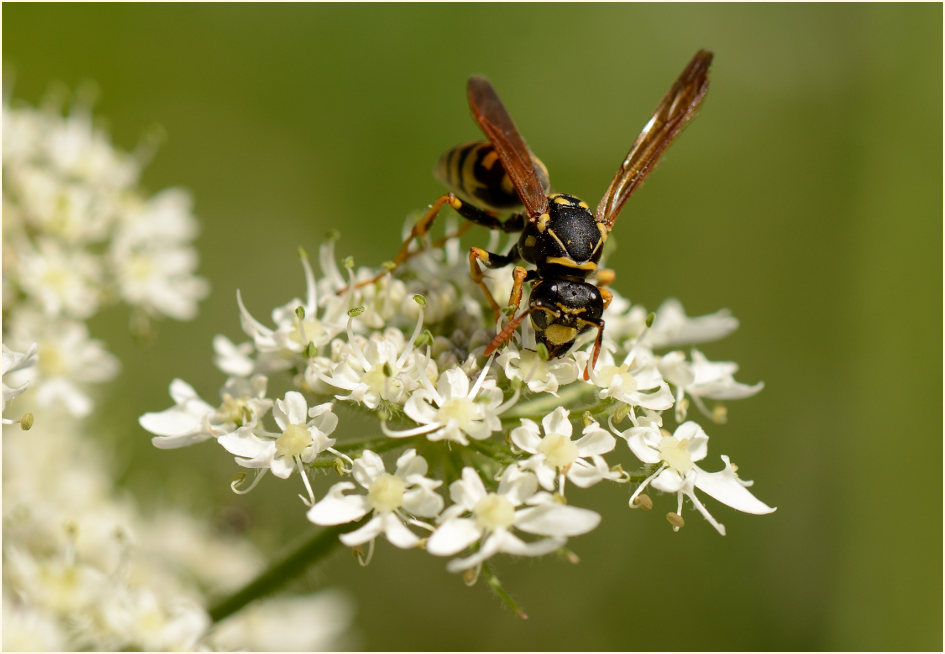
(468, 456)
(79, 234)
(84, 568)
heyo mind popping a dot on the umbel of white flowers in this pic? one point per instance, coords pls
(484, 452)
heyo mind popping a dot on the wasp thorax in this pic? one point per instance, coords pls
(563, 310)
(566, 241)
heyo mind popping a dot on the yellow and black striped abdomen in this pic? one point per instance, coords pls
(473, 171)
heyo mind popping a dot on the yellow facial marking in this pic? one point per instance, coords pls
(573, 311)
(559, 334)
(571, 263)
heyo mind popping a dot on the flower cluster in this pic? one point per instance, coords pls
(78, 235)
(484, 451)
(84, 567)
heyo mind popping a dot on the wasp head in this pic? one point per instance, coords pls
(562, 310)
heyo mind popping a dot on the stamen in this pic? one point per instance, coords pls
(474, 391)
(345, 457)
(405, 433)
(644, 484)
(413, 337)
(719, 527)
(365, 559)
(311, 290)
(508, 404)
(310, 500)
(471, 576)
(242, 476)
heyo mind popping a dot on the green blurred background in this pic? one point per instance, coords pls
(806, 197)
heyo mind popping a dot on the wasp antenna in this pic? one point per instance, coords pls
(506, 333)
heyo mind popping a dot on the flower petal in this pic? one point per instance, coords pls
(336, 508)
(726, 487)
(556, 520)
(452, 536)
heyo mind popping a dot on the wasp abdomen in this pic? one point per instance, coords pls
(474, 172)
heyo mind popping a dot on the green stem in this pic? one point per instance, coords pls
(496, 586)
(493, 451)
(304, 554)
(376, 445)
(546, 403)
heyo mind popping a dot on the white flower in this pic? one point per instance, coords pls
(677, 473)
(637, 381)
(488, 518)
(555, 456)
(191, 420)
(68, 360)
(384, 366)
(30, 629)
(60, 280)
(452, 411)
(540, 376)
(671, 326)
(393, 499)
(166, 218)
(703, 378)
(160, 279)
(293, 334)
(78, 149)
(300, 440)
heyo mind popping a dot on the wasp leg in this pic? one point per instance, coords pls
(509, 329)
(606, 295)
(491, 260)
(513, 223)
(605, 277)
(420, 229)
(520, 275)
(462, 229)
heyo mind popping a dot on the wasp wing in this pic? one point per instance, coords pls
(508, 143)
(674, 111)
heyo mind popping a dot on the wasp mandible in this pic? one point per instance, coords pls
(559, 234)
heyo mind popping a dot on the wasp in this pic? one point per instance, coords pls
(560, 236)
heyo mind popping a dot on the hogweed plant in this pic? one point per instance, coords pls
(84, 566)
(470, 456)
